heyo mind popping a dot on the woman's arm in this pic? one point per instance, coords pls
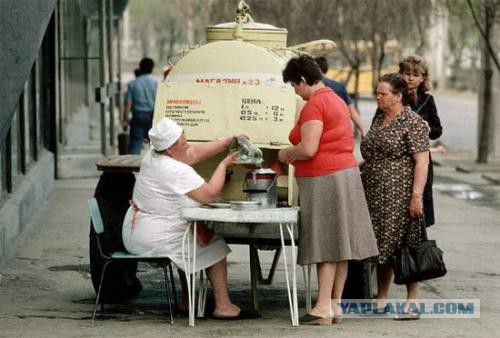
(356, 119)
(433, 120)
(310, 133)
(210, 191)
(419, 178)
(199, 152)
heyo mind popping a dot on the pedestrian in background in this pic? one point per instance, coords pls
(335, 225)
(140, 101)
(396, 154)
(415, 73)
(340, 89)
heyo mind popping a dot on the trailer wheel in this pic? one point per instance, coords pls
(113, 192)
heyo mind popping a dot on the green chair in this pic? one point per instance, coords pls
(109, 257)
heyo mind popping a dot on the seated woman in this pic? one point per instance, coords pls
(167, 183)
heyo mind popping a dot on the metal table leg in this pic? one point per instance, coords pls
(254, 277)
(190, 268)
(292, 295)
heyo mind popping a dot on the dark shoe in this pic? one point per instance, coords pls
(411, 314)
(338, 319)
(309, 319)
(244, 314)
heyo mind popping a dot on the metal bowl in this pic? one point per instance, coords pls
(246, 205)
(219, 205)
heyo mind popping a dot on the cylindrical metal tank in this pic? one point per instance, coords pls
(233, 85)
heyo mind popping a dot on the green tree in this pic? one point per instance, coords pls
(162, 26)
(486, 15)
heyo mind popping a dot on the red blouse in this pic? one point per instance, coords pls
(336, 145)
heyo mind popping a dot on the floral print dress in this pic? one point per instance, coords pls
(388, 179)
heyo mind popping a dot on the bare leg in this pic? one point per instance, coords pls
(411, 297)
(384, 279)
(217, 275)
(326, 276)
(338, 286)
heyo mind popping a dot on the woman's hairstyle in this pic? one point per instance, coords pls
(303, 66)
(322, 63)
(398, 85)
(415, 63)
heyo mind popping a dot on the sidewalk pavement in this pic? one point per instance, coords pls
(45, 289)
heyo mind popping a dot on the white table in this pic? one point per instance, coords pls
(273, 217)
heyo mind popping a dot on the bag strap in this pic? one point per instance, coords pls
(423, 231)
(423, 228)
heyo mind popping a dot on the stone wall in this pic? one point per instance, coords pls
(29, 197)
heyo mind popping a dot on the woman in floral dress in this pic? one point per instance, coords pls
(396, 154)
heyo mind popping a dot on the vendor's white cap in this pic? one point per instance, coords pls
(164, 134)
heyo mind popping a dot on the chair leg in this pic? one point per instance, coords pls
(167, 289)
(270, 276)
(99, 290)
(202, 295)
(172, 283)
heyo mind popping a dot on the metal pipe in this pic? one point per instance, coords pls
(119, 95)
(111, 82)
(102, 72)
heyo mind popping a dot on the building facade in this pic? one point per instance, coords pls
(60, 98)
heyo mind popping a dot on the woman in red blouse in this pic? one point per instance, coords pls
(335, 225)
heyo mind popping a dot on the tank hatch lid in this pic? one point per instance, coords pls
(247, 25)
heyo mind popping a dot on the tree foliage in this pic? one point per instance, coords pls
(361, 28)
(486, 15)
(162, 26)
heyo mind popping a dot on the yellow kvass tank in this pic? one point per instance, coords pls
(233, 85)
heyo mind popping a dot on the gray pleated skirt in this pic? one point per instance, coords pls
(334, 221)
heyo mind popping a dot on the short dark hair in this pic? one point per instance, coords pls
(398, 85)
(302, 66)
(146, 66)
(323, 64)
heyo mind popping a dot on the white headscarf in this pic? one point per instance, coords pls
(164, 134)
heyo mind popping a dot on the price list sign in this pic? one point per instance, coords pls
(254, 109)
(208, 112)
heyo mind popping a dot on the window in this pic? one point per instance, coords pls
(3, 172)
(14, 140)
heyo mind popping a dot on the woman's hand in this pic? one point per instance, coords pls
(416, 205)
(242, 135)
(284, 156)
(228, 162)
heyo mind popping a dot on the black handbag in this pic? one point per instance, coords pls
(418, 264)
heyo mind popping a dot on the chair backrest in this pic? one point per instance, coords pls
(95, 216)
